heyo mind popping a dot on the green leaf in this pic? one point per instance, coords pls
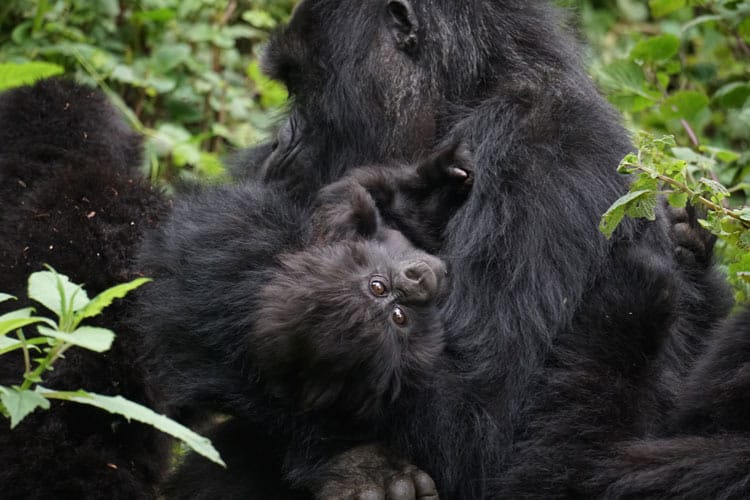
(105, 299)
(743, 29)
(43, 287)
(272, 94)
(89, 337)
(677, 200)
(14, 320)
(623, 76)
(724, 155)
(259, 19)
(732, 95)
(134, 411)
(15, 75)
(614, 215)
(685, 104)
(657, 48)
(660, 8)
(19, 403)
(5, 296)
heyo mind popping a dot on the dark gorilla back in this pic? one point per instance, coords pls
(72, 196)
(375, 80)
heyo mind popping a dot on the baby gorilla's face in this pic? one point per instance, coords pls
(348, 325)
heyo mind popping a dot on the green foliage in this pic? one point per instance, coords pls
(679, 72)
(71, 305)
(180, 70)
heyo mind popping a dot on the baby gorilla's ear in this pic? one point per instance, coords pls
(344, 210)
(451, 165)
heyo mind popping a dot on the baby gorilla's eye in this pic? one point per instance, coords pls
(399, 316)
(378, 288)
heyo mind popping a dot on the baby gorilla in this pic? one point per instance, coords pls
(345, 322)
(338, 318)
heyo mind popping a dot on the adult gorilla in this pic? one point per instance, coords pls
(555, 349)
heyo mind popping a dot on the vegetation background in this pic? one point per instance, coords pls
(186, 74)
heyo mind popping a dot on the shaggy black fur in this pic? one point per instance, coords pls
(558, 347)
(71, 196)
(326, 312)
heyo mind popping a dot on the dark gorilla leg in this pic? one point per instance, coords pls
(72, 196)
(253, 465)
(705, 448)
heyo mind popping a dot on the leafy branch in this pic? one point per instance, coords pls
(71, 304)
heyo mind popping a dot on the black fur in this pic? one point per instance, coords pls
(71, 196)
(535, 287)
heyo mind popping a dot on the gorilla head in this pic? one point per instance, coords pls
(347, 324)
(402, 80)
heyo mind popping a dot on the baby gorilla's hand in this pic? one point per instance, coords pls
(370, 472)
(449, 167)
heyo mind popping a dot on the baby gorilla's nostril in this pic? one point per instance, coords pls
(413, 273)
(418, 282)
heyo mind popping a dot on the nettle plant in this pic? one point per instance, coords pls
(54, 337)
(681, 78)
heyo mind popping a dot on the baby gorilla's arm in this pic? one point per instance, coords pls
(418, 200)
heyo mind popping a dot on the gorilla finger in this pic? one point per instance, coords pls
(458, 174)
(402, 489)
(424, 485)
(377, 494)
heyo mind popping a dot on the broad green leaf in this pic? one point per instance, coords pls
(657, 48)
(43, 287)
(105, 299)
(5, 296)
(660, 8)
(89, 337)
(725, 155)
(623, 76)
(685, 104)
(134, 411)
(19, 403)
(15, 75)
(733, 95)
(614, 215)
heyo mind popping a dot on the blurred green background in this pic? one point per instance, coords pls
(186, 74)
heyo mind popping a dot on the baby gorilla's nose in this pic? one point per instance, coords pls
(420, 281)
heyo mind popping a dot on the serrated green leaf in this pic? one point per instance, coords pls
(614, 215)
(20, 403)
(43, 288)
(105, 299)
(677, 200)
(714, 187)
(89, 337)
(134, 411)
(657, 48)
(642, 207)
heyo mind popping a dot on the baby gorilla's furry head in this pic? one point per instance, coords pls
(350, 324)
